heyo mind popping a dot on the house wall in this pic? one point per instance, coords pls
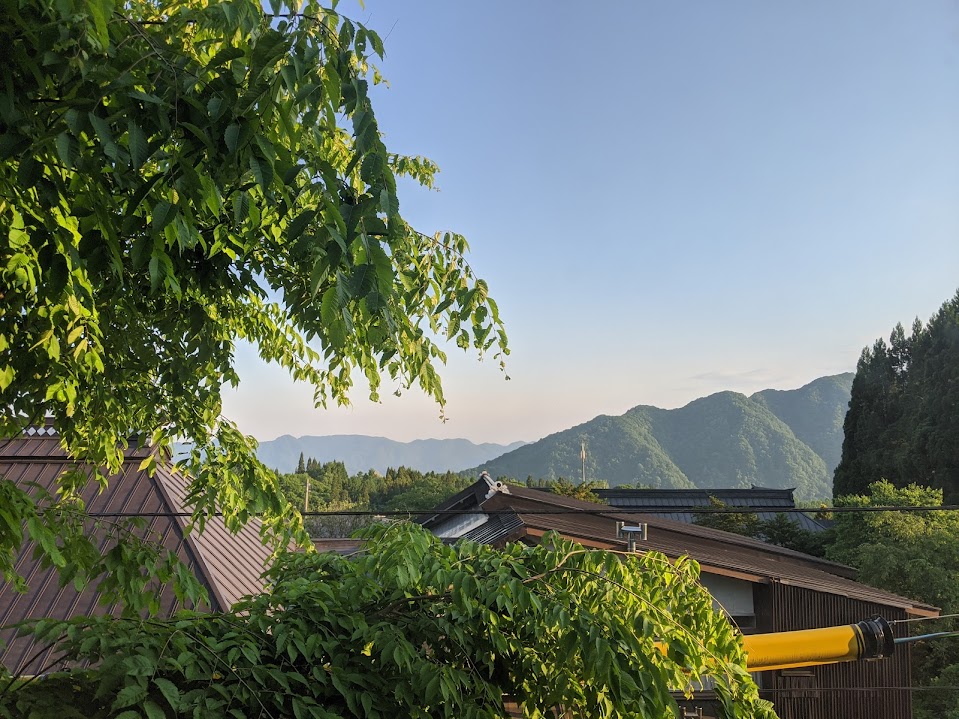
(851, 690)
(734, 596)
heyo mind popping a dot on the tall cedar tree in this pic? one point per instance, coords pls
(903, 419)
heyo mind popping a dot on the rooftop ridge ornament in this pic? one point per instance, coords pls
(46, 430)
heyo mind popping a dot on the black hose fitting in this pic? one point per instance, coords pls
(877, 637)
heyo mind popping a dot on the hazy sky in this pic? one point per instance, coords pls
(668, 199)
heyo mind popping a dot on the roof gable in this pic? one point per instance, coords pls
(228, 565)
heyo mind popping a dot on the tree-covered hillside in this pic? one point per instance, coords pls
(333, 489)
(814, 413)
(773, 439)
(903, 421)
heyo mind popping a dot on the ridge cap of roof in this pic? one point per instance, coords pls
(714, 491)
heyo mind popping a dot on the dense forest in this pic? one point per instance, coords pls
(903, 419)
(332, 489)
(901, 448)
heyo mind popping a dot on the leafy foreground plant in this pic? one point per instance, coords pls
(415, 628)
(179, 176)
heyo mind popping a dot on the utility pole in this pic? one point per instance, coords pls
(306, 500)
(582, 456)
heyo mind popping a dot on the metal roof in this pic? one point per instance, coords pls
(499, 527)
(228, 565)
(753, 498)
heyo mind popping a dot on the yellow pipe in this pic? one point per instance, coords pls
(785, 650)
(868, 639)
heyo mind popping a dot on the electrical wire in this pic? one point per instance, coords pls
(600, 510)
(923, 619)
(783, 690)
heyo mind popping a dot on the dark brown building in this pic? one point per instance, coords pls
(228, 565)
(763, 588)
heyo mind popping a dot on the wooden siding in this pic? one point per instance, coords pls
(852, 690)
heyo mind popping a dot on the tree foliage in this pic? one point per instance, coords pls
(178, 177)
(903, 423)
(781, 530)
(417, 628)
(585, 491)
(333, 490)
(914, 554)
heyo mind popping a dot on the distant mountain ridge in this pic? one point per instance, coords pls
(773, 438)
(360, 453)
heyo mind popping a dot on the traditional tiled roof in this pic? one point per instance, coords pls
(228, 565)
(766, 500)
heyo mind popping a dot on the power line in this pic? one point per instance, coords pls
(924, 619)
(803, 690)
(599, 511)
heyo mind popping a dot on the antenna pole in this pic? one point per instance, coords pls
(582, 455)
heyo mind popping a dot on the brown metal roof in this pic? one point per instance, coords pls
(716, 551)
(228, 565)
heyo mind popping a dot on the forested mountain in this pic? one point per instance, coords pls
(814, 413)
(773, 439)
(360, 453)
(903, 421)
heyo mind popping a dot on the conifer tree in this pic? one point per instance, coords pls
(903, 419)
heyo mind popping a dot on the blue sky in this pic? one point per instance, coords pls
(667, 199)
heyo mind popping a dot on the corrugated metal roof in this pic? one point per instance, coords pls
(228, 565)
(498, 527)
(716, 551)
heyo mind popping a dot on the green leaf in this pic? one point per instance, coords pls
(320, 271)
(156, 273)
(225, 55)
(299, 224)
(153, 710)
(145, 97)
(139, 147)
(199, 134)
(362, 280)
(163, 214)
(100, 11)
(129, 695)
(102, 129)
(232, 136)
(8, 373)
(67, 149)
(29, 172)
(262, 172)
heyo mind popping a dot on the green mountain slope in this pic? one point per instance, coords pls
(815, 413)
(629, 454)
(773, 439)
